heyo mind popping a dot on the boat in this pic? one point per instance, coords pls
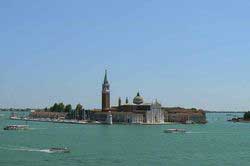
(189, 122)
(59, 150)
(175, 131)
(16, 127)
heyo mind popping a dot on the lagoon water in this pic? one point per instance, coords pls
(216, 143)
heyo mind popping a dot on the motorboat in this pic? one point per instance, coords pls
(59, 150)
(16, 127)
(175, 131)
(189, 122)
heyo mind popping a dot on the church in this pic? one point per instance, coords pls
(137, 112)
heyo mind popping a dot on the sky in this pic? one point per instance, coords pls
(183, 53)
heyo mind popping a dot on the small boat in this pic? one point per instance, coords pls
(96, 122)
(189, 122)
(59, 150)
(16, 127)
(175, 131)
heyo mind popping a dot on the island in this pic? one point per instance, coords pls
(137, 111)
(245, 118)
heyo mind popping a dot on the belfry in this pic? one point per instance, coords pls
(105, 94)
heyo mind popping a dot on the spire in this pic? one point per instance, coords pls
(138, 93)
(105, 78)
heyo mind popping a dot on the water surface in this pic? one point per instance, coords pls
(217, 143)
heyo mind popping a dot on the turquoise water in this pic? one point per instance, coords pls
(216, 143)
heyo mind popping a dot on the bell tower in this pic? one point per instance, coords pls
(105, 94)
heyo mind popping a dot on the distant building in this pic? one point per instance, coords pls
(140, 112)
(136, 112)
(155, 114)
(105, 94)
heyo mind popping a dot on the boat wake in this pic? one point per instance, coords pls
(27, 149)
(195, 132)
(39, 128)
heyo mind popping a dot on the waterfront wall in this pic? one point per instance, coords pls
(181, 115)
(43, 114)
(117, 117)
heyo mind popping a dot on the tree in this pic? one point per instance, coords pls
(78, 111)
(60, 107)
(57, 107)
(247, 115)
(54, 108)
(78, 107)
(68, 108)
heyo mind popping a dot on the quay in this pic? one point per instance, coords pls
(82, 122)
(57, 120)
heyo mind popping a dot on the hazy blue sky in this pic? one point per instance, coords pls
(188, 53)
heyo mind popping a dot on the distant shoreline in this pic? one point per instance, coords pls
(28, 110)
(240, 120)
(228, 112)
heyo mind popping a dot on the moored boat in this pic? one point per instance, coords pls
(189, 122)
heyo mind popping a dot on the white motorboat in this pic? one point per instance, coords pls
(189, 122)
(59, 150)
(175, 131)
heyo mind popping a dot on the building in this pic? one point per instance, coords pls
(140, 112)
(105, 94)
(136, 112)
(155, 115)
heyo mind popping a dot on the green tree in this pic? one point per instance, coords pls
(57, 107)
(247, 115)
(68, 108)
(61, 107)
(54, 108)
(78, 107)
(78, 111)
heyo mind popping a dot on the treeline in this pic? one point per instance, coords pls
(77, 113)
(61, 107)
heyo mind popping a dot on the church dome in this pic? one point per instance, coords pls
(138, 99)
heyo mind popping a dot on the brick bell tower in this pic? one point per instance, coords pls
(105, 94)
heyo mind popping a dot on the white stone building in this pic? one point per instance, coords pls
(155, 115)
